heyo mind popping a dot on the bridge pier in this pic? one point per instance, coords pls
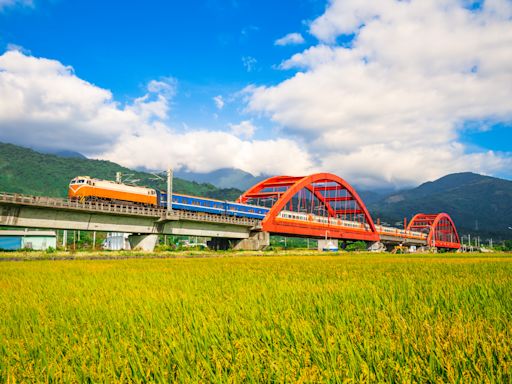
(377, 247)
(257, 241)
(143, 242)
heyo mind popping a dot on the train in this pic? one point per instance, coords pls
(85, 188)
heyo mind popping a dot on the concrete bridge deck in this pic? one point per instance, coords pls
(45, 212)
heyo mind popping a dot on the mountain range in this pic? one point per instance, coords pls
(223, 178)
(480, 205)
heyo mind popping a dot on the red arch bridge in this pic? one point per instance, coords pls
(324, 205)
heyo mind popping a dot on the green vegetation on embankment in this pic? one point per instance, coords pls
(25, 171)
(324, 318)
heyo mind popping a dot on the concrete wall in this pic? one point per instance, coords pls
(39, 243)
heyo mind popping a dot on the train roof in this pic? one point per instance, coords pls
(216, 200)
(111, 182)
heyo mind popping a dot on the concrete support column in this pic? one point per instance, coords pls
(143, 242)
(257, 241)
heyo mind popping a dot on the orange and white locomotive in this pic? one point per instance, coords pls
(84, 188)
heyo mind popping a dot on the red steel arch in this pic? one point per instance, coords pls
(440, 227)
(282, 189)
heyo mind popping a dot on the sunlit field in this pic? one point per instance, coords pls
(309, 318)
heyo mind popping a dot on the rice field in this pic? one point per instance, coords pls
(338, 318)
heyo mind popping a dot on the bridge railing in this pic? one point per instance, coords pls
(53, 202)
(202, 216)
(163, 214)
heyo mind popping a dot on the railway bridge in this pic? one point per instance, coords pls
(324, 205)
(321, 206)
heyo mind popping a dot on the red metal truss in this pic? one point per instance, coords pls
(272, 182)
(339, 198)
(440, 227)
(290, 186)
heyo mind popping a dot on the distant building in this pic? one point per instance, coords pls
(37, 240)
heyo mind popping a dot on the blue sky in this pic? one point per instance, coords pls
(385, 94)
(121, 46)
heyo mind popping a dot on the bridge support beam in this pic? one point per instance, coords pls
(143, 242)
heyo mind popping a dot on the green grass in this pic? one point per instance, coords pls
(365, 318)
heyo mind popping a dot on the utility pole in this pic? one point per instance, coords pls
(169, 189)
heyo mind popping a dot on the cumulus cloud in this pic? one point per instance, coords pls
(45, 105)
(290, 39)
(389, 104)
(244, 129)
(219, 101)
(204, 151)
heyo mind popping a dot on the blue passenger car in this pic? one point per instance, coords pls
(245, 210)
(201, 204)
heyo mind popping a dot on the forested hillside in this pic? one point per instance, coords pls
(478, 204)
(26, 171)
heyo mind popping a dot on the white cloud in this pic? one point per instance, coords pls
(204, 151)
(290, 39)
(45, 105)
(244, 129)
(166, 86)
(389, 105)
(19, 48)
(249, 63)
(219, 101)
(8, 3)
